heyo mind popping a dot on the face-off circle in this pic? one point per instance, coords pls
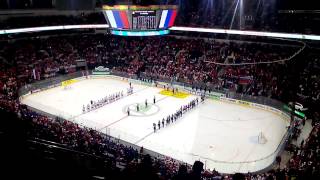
(144, 111)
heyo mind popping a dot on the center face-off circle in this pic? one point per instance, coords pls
(144, 111)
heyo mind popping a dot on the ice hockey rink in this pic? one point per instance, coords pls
(222, 135)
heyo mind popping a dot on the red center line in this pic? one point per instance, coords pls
(162, 99)
(143, 138)
(114, 122)
(126, 116)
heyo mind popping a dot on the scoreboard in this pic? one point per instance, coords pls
(144, 20)
(140, 20)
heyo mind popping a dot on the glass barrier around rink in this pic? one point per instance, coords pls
(245, 167)
(214, 87)
(44, 109)
(130, 139)
(85, 122)
(121, 134)
(163, 150)
(135, 141)
(150, 147)
(253, 166)
(47, 83)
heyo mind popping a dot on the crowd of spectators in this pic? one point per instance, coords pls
(264, 15)
(180, 59)
(301, 23)
(76, 137)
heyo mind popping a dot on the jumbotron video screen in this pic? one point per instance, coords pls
(128, 20)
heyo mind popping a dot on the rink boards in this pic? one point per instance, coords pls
(221, 132)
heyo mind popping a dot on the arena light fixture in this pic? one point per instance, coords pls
(247, 33)
(33, 29)
(174, 28)
(52, 28)
(86, 26)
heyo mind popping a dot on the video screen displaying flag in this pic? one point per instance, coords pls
(118, 19)
(167, 18)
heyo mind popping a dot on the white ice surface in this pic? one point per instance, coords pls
(222, 135)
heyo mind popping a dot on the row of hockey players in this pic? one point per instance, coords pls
(103, 101)
(106, 100)
(129, 90)
(178, 114)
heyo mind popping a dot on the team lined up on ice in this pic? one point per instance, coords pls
(106, 100)
(178, 114)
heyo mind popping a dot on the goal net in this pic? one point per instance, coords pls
(262, 138)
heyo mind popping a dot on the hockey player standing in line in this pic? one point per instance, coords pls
(146, 103)
(128, 111)
(138, 107)
(202, 97)
(154, 99)
(159, 124)
(154, 127)
(163, 122)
